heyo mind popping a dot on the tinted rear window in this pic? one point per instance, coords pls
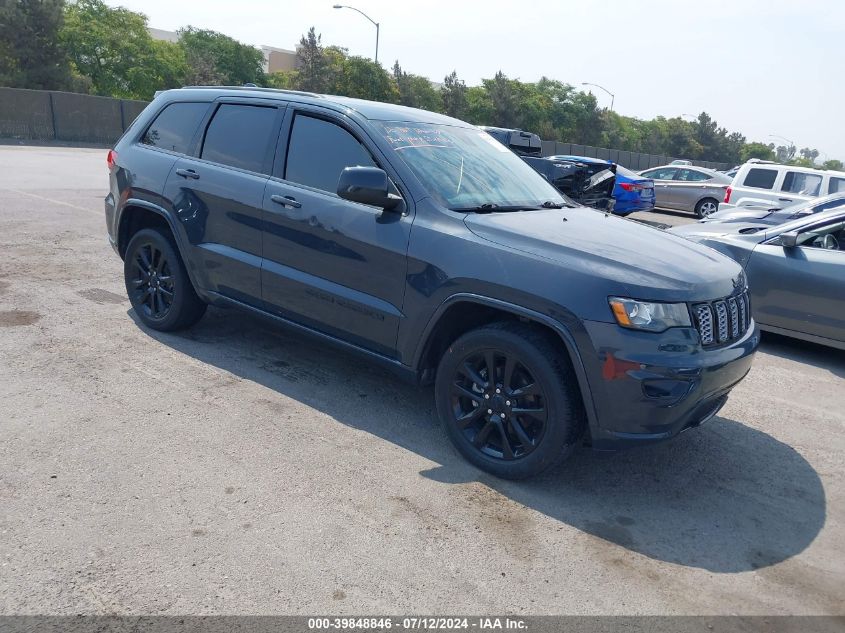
(836, 185)
(239, 136)
(174, 127)
(760, 178)
(319, 151)
(802, 183)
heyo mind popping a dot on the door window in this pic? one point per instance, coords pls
(836, 185)
(239, 136)
(174, 127)
(828, 237)
(663, 173)
(319, 151)
(691, 175)
(760, 178)
(802, 183)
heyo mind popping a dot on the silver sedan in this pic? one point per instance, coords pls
(687, 188)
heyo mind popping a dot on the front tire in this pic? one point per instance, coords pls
(706, 207)
(157, 283)
(508, 399)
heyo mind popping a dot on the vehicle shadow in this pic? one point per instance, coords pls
(725, 498)
(828, 358)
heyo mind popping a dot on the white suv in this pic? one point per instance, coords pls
(769, 184)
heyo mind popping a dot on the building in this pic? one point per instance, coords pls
(278, 59)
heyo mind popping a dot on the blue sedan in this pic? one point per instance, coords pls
(631, 192)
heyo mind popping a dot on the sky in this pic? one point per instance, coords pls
(764, 68)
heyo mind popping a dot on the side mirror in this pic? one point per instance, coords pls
(789, 239)
(367, 185)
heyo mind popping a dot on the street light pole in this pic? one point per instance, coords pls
(612, 96)
(344, 6)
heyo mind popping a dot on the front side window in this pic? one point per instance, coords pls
(465, 168)
(691, 175)
(802, 183)
(828, 237)
(239, 136)
(319, 151)
(175, 126)
(760, 178)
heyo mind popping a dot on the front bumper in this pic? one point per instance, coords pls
(650, 387)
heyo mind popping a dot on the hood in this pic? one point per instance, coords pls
(740, 214)
(735, 239)
(643, 262)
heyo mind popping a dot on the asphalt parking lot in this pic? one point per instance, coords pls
(234, 468)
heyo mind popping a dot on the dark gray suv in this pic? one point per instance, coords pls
(425, 245)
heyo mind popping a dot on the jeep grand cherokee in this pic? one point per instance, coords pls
(422, 243)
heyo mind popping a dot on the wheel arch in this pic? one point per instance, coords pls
(139, 214)
(464, 311)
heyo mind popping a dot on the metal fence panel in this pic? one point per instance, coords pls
(26, 114)
(86, 118)
(548, 148)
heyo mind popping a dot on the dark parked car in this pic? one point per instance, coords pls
(766, 214)
(588, 182)
(421, 243)
(796, 271)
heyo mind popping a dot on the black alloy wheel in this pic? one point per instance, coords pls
(508, 399)
(157, 284)
(151, 281)
(499, 406)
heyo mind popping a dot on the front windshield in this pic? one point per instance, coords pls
(467, 169)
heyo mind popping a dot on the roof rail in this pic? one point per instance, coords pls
(301, 93)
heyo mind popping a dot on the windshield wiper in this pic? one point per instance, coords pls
(489, 207)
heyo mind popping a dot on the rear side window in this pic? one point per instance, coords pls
(760, 178)
(239, 136)
(175, 126)
(801, 183)
(836, 185)
(319, 150)
(690, 175)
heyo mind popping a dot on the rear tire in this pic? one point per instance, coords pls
(157, 283)
(528, 418)
(706, 207)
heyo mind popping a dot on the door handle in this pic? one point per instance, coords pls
(785, 199)
(188, 173)
(288, 201)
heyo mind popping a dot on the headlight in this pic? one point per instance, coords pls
(646, 315)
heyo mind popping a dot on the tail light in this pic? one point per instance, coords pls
(728, 193)
(631, 186)
(111, 159)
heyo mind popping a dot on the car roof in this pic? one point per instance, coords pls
(696, 167)
(798, 168)
(373, 110)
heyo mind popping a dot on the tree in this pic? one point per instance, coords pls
(235, 64)
(416, 91)
(454, 96)
(810, 154)
(784, 153)
(503, 97)
(365, 79)
(834, 164)
(312, 63)
(112, 47)
(757, 150)
(31, 55)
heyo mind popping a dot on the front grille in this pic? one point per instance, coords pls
(722, 321)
